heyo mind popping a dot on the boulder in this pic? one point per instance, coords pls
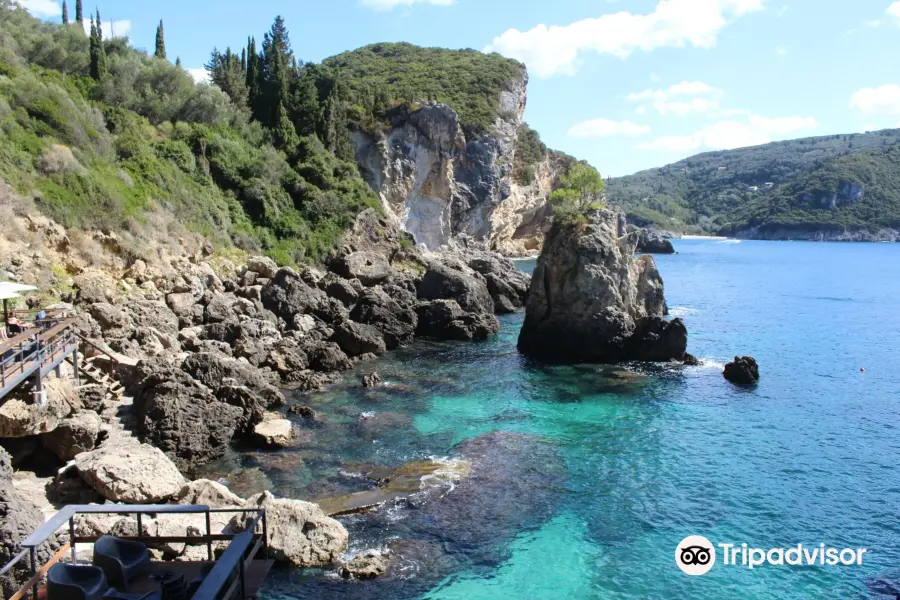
(327, 357)
(288, 295)
(340, 288)
(592, 301)
(133, 474)
(507, 284)
(356, 339)
(274, 433)
(302, 411)
(445, 320)
(397, 323)
(370, 268)
(220, 308)
(368, 565)
(452, 280)
(183, 418)
(286, 358)
(371, 380)
(207, 493)
(20, 419)
(210, 368)
(74, 435)
(299, 532)
(109, 316)
(262, 266)
(182, 304)
(743, 371)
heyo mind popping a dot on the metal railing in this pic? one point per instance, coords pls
(227, 574)
(35, 352)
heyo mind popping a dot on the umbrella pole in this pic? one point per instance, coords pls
(5, 314)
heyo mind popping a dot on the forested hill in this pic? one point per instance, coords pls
(99, 135)
(827, 187)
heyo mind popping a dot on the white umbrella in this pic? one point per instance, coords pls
(9, 290)
(7, 294)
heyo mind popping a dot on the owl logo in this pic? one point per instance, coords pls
(695, 555)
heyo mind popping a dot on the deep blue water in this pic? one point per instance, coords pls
(808, 456)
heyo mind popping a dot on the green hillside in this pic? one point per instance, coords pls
(713, 192)
(382, 75)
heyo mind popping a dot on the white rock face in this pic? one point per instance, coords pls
(439, 186)
(276, 432)
(134, 474)
(299, 532)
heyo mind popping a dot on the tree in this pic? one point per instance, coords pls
(284, 133)
(225, 71)
(276, 60)
(581, 188)
(160, 42)
(97, 51)
(252, 79)
(65, 15)
(178, 61)
(79, 13)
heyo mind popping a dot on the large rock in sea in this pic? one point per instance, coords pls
(299, 532)
(592, 301)
(743, 371)
(653, 242)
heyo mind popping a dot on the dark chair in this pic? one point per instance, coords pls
(121, 560)
(74, 582)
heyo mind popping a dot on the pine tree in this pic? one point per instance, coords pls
(65, 16)
(225, 71)
(79, 13)
(307, 111)
(160, 42)
(276, 60)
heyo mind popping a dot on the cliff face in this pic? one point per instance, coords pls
(440, 186)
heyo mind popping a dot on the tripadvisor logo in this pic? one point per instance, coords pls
(696, 555)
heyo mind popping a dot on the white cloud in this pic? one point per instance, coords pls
(392, 4)
(883, 100)
(681, 99)
(606, 127)
(42, 8)
(728, 134)
(894, 10)
(782, 50)
(110, 28)
(199, 75)
(549, 50)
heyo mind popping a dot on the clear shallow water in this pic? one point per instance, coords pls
(809, 456)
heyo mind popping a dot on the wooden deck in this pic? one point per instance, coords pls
(256, 573)
(35, 354)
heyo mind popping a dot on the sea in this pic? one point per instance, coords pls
(621, 463)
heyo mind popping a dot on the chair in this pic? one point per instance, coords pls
(75, 582)
(122, 561)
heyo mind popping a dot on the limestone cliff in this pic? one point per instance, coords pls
(440, 185)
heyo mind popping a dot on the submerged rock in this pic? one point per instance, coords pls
(368, 565)
(592, 301)
(743, 371)
(371, 380)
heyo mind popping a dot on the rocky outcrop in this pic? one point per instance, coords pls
(743, 371)
(74, 435)
(440, 185)
(652, 242)
(18, 518)
(592, 301)
(299, 532)
(133, 474)
(274, 433)
(367, 565)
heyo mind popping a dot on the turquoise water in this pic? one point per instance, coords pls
(807, 457)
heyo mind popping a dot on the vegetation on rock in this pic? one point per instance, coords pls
(580, 189)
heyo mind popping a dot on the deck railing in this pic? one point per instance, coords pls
(35, 352)
(226, 576)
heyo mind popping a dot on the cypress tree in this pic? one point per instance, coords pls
(99, 29)
(160, 42)
(97, 51)
(284, 133)
(79, 13)
(65, 13)
(178, 62)
(244, 61)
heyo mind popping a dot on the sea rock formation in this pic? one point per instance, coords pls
(136, 473)
(592, 301)
(742, 371)
(440, 185)
(653, 242)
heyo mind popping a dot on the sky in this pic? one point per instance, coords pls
(626, 84)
